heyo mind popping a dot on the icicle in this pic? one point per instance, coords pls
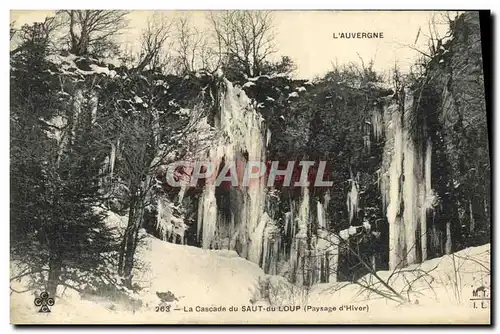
(77, 109)
(326, 200)
(303, 215)
(352, 200)
(164, 218)
(299, 247)
(112, 156)
(257, 237)
(94, 104)
(321, 215)
(377, 124)
(207, 219)
(274, 256)
(393, 198)
(428, 165)
(410, 191)
(178, 229)
(428, 198)
(288, 217)
(367, 143)
(201, 208)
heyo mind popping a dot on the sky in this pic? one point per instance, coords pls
(307, 36)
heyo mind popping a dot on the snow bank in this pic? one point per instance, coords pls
(445, 282)
(202, 278)
(196, 276)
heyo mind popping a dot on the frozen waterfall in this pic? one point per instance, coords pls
(406, 186)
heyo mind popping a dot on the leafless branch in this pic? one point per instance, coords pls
(90, 30)
(244, 37)
(154, 40)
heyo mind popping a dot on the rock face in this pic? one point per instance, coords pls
(456, 101)
(430, 202)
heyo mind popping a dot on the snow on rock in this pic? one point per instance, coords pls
(352, 230)
(367, 226)
(103, 70)
(159, 83)
(293, 94)
(380, 85)
(68, 65)
(60, 59)
(57, 123)
(137, 99)
(219, 73)
(183, 112)
(249, 84)
(267, 76)
(114, 221)
(344, 234)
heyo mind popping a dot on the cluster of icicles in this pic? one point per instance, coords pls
(251, 231)
(405, 183)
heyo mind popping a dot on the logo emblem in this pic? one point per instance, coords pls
(44, 301)
(481, 297)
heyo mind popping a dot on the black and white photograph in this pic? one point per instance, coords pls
(250, 167)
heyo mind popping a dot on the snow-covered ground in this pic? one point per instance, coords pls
(439, 291)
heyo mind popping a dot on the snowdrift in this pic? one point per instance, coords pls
(199, 279)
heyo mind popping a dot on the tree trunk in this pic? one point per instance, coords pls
(332, 263)
(74, 40)
(55, 267)
(448, 244)
(472, 223)
(129, 243)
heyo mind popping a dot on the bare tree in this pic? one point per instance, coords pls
(244, 37)
(12, 29)
(148, 142)
(434, 38)
(154, 40)
(93, 31)
(41, 33)
(193, 48)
